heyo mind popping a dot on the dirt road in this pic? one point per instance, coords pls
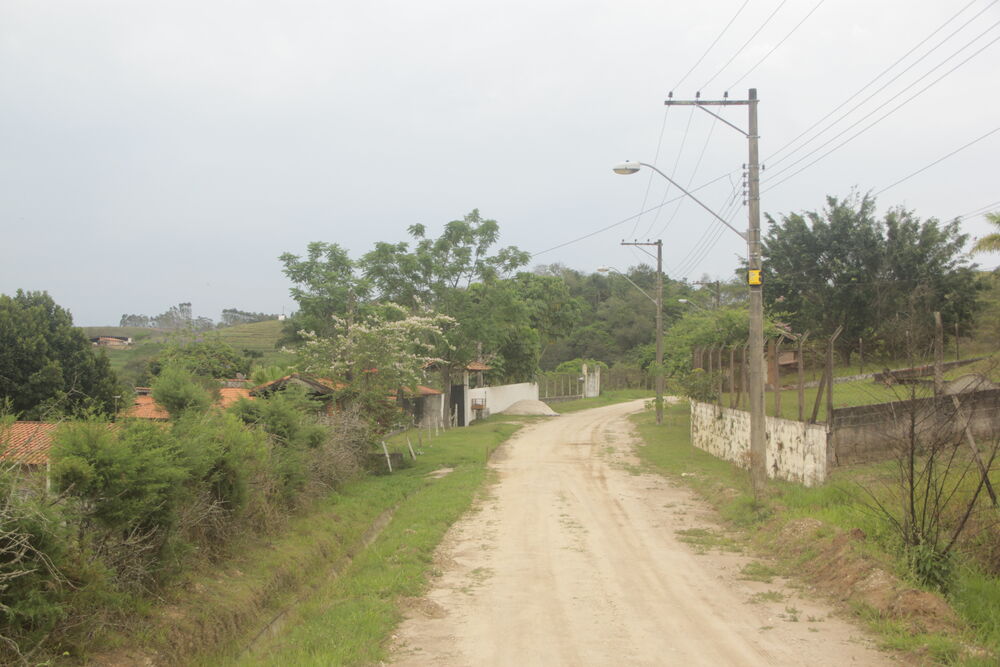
(574, 559)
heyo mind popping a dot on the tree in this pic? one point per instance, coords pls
(843, 266)
(990, 242)
(210, 357)
(373, 359)
(179, 391)
(47, 366)
(325, 286)
(458, 274)
(233, 316)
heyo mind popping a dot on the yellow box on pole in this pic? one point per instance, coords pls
(753, 277)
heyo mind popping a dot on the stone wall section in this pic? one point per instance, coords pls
(796, 451)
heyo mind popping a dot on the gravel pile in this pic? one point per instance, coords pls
(529, 407)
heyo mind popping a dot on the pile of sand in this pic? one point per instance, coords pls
(529, 407)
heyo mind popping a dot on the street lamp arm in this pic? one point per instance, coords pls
(633, 285)
(677, 185)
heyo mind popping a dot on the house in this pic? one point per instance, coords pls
(26, 444)
(144, 406)
(111, 341)
(424, 404)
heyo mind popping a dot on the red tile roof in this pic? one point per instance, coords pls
(229, 395)
(27, 443)
(146, 407)
(478, 366)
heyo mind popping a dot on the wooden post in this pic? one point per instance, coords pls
(410, 446)
(732, 377)
(388, 460)
(819, 397)
(983, 470)
(861, 355)
(938, 354)
(829, 374)
(718, 370)
(746, 373)
(958, 354)
(777, 378)
(802, 376)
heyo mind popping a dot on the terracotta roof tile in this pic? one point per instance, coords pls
(26, 442)
(478, 366)
(230, 395)
(146, 407)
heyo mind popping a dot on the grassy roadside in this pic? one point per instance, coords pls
(828, 535)
(606, 398)
(331, 600)
(343, 609)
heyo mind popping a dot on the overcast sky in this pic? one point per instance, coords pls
(159, 152)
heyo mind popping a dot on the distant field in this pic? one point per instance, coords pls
(129, 362)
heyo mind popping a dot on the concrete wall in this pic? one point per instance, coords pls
(591, 382)
(796, 451)
(498, 399)
(433, 411)
(878, 432)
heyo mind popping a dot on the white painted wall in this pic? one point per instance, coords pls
(796, 451)
(502, 397)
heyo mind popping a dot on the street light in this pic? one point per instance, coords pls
(692, 304)
(658, 302)
(758, 447)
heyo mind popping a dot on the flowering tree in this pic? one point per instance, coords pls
(374, 360)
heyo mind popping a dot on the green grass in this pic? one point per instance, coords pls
(606, 398)
(841, 506)
(858, 392)
(347, 619)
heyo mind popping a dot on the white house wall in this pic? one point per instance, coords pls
(498, 399)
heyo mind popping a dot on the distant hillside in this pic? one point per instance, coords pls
(130, 362)
(258, 336)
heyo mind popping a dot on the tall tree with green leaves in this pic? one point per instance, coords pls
(325, 285)
(845, 266)
(47, 366)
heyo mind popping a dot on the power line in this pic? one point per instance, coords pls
(694, 172)
(776, 46)
(673, 172)
(656, 155)
(772, 157)
(712, 45)
(631, 217)
(940, 159)
(876, 121)
(980, 210)
(745, 44)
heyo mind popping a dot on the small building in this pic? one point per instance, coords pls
(144, 406)
(111, 341)
(26, 444)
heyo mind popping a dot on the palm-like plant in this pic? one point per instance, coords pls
(990, 242)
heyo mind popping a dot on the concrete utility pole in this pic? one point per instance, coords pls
(758, 445)
(659, 324)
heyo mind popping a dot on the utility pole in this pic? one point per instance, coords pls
(659, 323)
(758, 445)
